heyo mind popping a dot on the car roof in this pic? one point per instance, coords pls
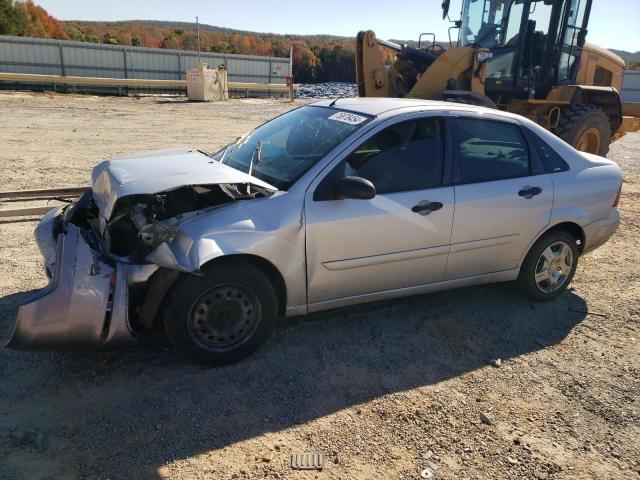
(378, 105)
(384, 106)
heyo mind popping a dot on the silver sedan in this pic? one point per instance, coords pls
(331, 204)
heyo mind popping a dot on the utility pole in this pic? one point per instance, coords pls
(131, 51)
(198, 35)
(291, 94)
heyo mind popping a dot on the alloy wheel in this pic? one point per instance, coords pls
(554, 267)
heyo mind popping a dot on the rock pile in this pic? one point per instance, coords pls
(326, 90)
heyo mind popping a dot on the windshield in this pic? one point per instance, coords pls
(282, 150)
(488, 23)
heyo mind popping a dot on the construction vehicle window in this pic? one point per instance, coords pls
(482, 21)
(491, 150)
(576, 14)
(511, 35)
(602, 77)
(567, 68)
(405, 157)
(534, 49)
(571, 50)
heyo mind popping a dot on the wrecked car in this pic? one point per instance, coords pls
(328, 205)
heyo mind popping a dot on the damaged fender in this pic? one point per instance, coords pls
(250, 228)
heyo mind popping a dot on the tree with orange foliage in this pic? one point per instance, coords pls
(305, 61)
(40, 24)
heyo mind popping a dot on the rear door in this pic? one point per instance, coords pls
(503, 197)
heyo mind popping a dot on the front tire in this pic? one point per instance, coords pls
(223, 316)
(549, 266)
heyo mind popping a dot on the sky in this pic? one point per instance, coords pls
(613, 24)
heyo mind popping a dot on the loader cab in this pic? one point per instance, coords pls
(532, 44)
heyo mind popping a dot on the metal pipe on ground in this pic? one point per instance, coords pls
(53, 194)
(132, 82)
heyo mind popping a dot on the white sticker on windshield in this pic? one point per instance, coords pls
(350, 118)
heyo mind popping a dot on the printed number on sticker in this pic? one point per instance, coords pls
(350, 118)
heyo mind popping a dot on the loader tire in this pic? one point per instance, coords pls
(586, 128)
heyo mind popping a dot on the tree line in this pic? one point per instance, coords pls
(317, 58)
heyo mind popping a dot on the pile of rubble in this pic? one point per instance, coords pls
(326, 90)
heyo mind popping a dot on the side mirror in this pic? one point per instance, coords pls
(357, 188)
(445, 8)
(582, 37)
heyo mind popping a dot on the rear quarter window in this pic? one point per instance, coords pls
(551, 160)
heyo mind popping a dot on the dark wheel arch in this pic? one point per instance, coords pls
(571, 228)
(241, 316)
(586, 125)
(605, 98)
(266, 267)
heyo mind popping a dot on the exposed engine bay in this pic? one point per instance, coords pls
(141, 222)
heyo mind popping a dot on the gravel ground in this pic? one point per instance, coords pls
(475, 383)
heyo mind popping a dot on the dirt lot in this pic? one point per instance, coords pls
(385, 391)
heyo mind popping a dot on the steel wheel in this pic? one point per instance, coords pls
(223, 317)
(590, 141)
(554, 267)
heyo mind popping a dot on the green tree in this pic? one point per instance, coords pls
(222, 47)
(13, 21)
(336, 64)
(173, 39)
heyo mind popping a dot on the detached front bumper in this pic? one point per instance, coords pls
(85, 304)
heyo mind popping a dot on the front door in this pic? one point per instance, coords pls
(396, 240)
(503, 198)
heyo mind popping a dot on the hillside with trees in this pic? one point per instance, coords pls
(316, 58)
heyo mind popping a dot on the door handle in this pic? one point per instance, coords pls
(529, 192)
(425, 207)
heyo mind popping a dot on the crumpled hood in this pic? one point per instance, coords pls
(156, 171)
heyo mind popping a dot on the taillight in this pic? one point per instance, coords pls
(617, 200)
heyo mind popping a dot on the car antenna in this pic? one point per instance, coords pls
(343, 94)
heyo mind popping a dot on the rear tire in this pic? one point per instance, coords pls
(586, 128)
(223, 316)
(549, 266)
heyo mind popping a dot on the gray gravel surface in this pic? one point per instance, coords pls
(476, 383)
(326, 90)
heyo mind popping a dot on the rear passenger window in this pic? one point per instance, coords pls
(404, 157)
(491, 150)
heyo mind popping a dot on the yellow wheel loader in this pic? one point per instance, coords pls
(525, 56)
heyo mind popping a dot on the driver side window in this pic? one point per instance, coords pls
(404, 157)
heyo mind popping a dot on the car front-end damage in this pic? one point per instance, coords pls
(103, 283)
(86, 301)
